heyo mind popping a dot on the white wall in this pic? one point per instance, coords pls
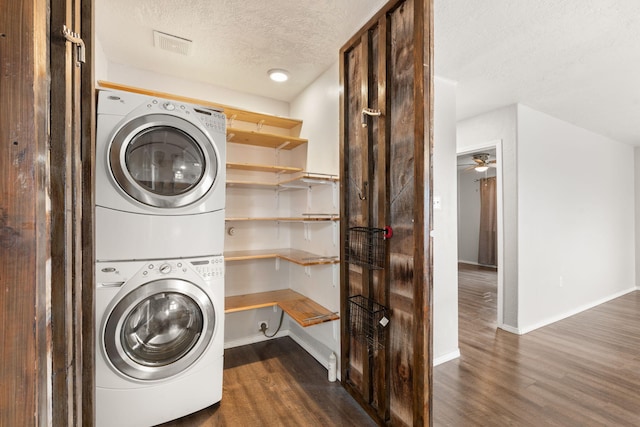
(476, 132)
(124, 74)
(445, 251)
(319, 107)
(637, 213)
(576, 219)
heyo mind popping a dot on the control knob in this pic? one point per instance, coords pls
(165, 269)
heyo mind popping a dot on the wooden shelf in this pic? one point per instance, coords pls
(328, 217)
(255, 185)
(262, 168)
(308, 179)
(263, 139)
(232, 113)
(300, 308)
(292, 255)
(305, 180)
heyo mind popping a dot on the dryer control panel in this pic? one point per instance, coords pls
(212, 268)
(212, 119)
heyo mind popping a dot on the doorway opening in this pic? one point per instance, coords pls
(471, 241)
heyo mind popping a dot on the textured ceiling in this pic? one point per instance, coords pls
(235, 42)
(578, 60)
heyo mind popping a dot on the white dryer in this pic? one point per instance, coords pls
(160, 178)
(159, 339)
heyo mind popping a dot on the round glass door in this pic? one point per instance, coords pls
(163, 161)
(159, 329)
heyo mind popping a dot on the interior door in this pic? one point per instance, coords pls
(386, 139)
(72, 112)
(45, 232)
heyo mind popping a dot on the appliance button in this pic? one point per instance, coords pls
(169, 106)
(165, 269)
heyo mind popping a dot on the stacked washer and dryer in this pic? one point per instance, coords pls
(160, 199)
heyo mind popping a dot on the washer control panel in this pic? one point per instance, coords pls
(212, 268)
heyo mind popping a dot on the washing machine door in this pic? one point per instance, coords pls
(163, 161)
(159, 329)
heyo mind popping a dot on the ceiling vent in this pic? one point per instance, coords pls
(171, 43)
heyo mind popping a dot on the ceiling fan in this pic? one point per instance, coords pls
(482, 163)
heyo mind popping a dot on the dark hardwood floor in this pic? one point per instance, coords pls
(277, 383)
(581, 371)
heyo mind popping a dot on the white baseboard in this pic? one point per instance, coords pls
(573, 312)
(253, 339)
(510, 329)
(321, 358)
(446, 357)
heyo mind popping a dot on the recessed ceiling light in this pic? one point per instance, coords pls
(278, 75)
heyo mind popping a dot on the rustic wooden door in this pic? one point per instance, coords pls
(386, 139)
(71, 192)
(45, 221)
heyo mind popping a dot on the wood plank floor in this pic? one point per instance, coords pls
(277, 383)
(581, 371)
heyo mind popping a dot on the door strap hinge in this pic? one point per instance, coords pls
(78, 42)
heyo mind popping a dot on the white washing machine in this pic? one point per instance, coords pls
(159, 339)
(160, 178)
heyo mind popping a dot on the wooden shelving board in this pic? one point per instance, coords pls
(303, 310)
(286, 219)
(256, 185)
(232, 113)
(263, 139)
(296, 256)
(305, 180)
(262, 168)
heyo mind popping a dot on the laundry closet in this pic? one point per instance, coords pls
(283, 232)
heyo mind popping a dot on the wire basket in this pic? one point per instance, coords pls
(365, 247)
(368, 321)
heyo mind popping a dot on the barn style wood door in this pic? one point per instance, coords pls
(46, 247)
(386, 139)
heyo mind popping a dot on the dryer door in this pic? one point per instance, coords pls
(159, 329)
(163, 161)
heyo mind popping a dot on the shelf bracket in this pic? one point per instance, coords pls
(277, 263)
(336, 233)
(309, 198)
(336, 194)
(259, 125)
(336, 275)
(281, 146)
(230, 120)
(307, 271)
(307, 232)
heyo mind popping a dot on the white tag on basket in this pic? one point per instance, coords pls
(384, 321)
